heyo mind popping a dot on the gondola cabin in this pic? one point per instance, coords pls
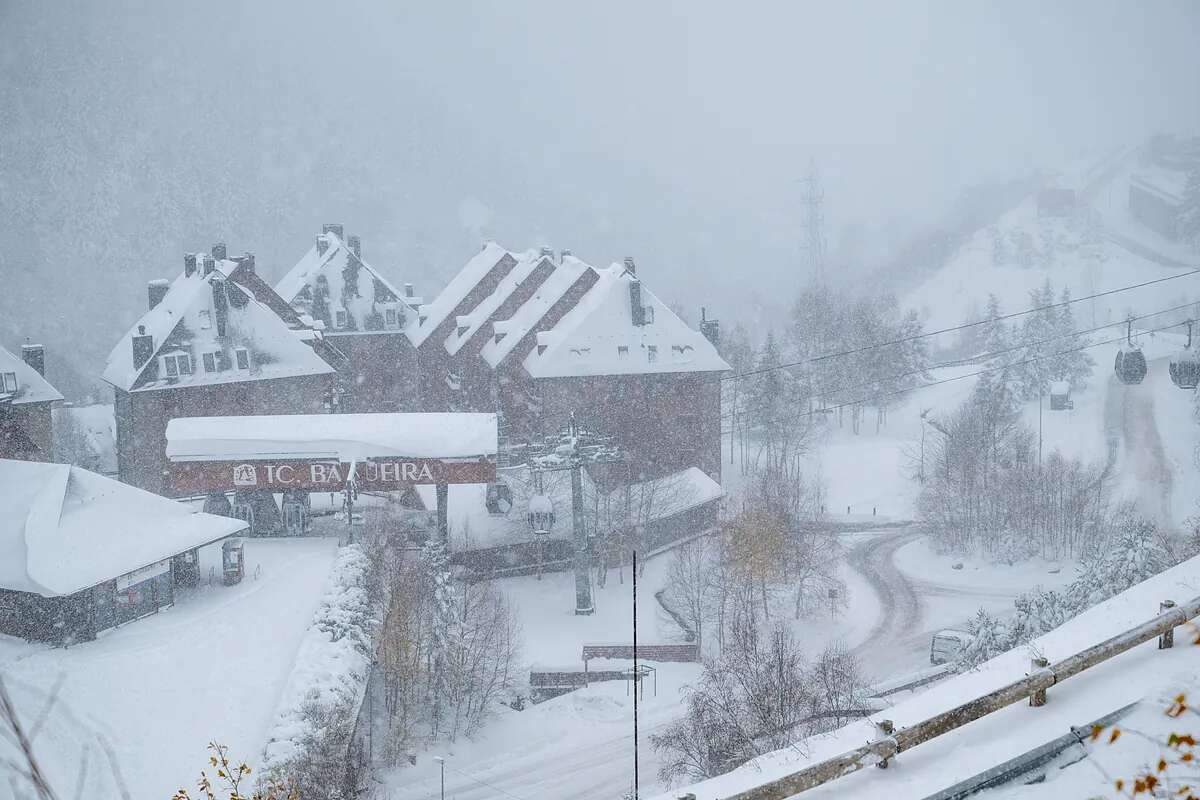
(1130, 366)
(1060, 396)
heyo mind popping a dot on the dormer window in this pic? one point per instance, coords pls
(210, 361)
(652, 353)
(8, 382)
(242, 356)
(389, 317)
(205, 319)
(622, 351)
(176, 364)
(339, 318)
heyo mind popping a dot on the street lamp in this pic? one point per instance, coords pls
(442, 762)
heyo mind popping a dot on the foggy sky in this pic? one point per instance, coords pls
(670, 131)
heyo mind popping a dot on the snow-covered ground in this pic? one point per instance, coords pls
(1011, 731)
(149, 696)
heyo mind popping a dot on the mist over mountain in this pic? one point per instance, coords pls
(132, 131)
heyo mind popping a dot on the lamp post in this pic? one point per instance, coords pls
(442, 762)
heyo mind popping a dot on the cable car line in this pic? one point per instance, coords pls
(864, 400)
(964, 326)
(993, 353)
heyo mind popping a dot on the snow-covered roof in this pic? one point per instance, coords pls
(432, 314)
(186, 321)
(31, 386)
(347, 437)
(1163, 181)
(64, 529)
(598, 336)
(323, 283)
(523, 320)
(669, 495)
(470, 323)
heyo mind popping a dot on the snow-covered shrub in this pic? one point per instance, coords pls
(990, 639)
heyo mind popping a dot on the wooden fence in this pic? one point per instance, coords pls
(1033, 686)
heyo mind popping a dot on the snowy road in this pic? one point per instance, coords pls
(1146, 470)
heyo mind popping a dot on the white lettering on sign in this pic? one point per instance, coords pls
(390, 471)
(245, 475)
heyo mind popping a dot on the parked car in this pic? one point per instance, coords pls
(947, 644)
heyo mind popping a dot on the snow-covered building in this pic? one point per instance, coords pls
(209, 346)
(332, 288)
(81, 553)
(1156, 197)
(535, 339)
(26, 403)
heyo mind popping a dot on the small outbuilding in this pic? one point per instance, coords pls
(81, 553)
(1060, 396)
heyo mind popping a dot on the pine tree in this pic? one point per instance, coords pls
(990, 638)
(996, 336)
(1039, 328)
(1074, 364)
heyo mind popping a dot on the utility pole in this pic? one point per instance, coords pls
(636, 680)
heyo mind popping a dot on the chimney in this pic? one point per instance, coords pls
(547, 252)
(209, 265)
(35, 356)
(564, 255)
(711, 328)
(629, 265)
(218, 251)
(355, 246)
(334, 228)
(322, 244)
(189, 264)
(637, 310)
(156, 290)
(143, 347)
(247, 262)
(408, 290)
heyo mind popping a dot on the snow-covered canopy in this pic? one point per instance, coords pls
(64, 529)
(187, 322)
(330, 278)
(598, 336)
(434, 313)
(347, 437)
(31, 387)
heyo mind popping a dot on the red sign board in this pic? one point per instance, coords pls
(384, 474)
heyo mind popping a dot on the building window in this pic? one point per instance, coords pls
(389, 317)
(210, 362)
(9, 383)
(176, 364)
(205, 319)
(652, 353)
(243, 357)
(622, 351)
(339, 320)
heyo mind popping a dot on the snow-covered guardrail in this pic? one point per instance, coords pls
(1033, 686)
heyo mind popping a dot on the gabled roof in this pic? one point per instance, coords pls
(533, 310)
(185, 321)
(479, 315)
(352, 284)
(31, 387)
(598, 336)
(432, 314)
(64, 529)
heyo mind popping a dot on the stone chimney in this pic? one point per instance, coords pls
(711, 328)
(156, 290)
(408, 290)
(218, 251)
(35, 356)
(143, 347)
(189, 264)
(547, 252)
(247, 262)
(322, 244)
(209, 265)
(564, 255)
(355, 243)
(630, 267)
(636, 309)
(333, 227)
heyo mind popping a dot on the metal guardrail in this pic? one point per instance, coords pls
(1033, 686)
